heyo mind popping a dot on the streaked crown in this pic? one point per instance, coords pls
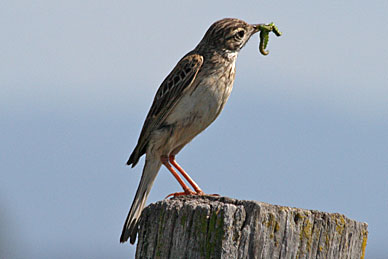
(228, 35)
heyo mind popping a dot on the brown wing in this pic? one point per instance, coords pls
(169, 93)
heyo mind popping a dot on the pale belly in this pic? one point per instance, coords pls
(192, 114)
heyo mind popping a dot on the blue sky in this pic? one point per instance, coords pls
(305, 126)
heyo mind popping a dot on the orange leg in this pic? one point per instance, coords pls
(187, 190)
(186, 176)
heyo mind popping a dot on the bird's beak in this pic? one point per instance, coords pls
(255, 28)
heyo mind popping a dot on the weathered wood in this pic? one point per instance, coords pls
(220, 227)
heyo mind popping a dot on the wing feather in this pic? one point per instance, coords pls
(169, 93)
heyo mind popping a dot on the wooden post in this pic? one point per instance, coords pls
(220, 227)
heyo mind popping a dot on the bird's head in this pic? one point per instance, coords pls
(228, 35)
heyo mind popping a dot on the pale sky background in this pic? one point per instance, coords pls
(306, 126)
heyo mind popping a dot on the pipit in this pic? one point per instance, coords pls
(187, 102)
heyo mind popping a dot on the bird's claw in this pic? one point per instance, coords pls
(190, 192)
(187, 192)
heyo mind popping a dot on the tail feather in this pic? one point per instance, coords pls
(135, 156)
(131, 159)
(150, 171)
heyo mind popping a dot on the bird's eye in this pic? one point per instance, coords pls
(240, 34)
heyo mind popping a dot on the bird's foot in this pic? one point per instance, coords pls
(186, 192)
(190, 192)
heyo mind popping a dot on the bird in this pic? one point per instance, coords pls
(189, 99)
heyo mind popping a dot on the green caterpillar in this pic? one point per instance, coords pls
(265, 29)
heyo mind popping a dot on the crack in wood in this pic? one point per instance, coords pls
(220, 227)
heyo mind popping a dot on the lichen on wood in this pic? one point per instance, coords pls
(220, 227)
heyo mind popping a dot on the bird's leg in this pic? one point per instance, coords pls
(186, 176)
(187, 190)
